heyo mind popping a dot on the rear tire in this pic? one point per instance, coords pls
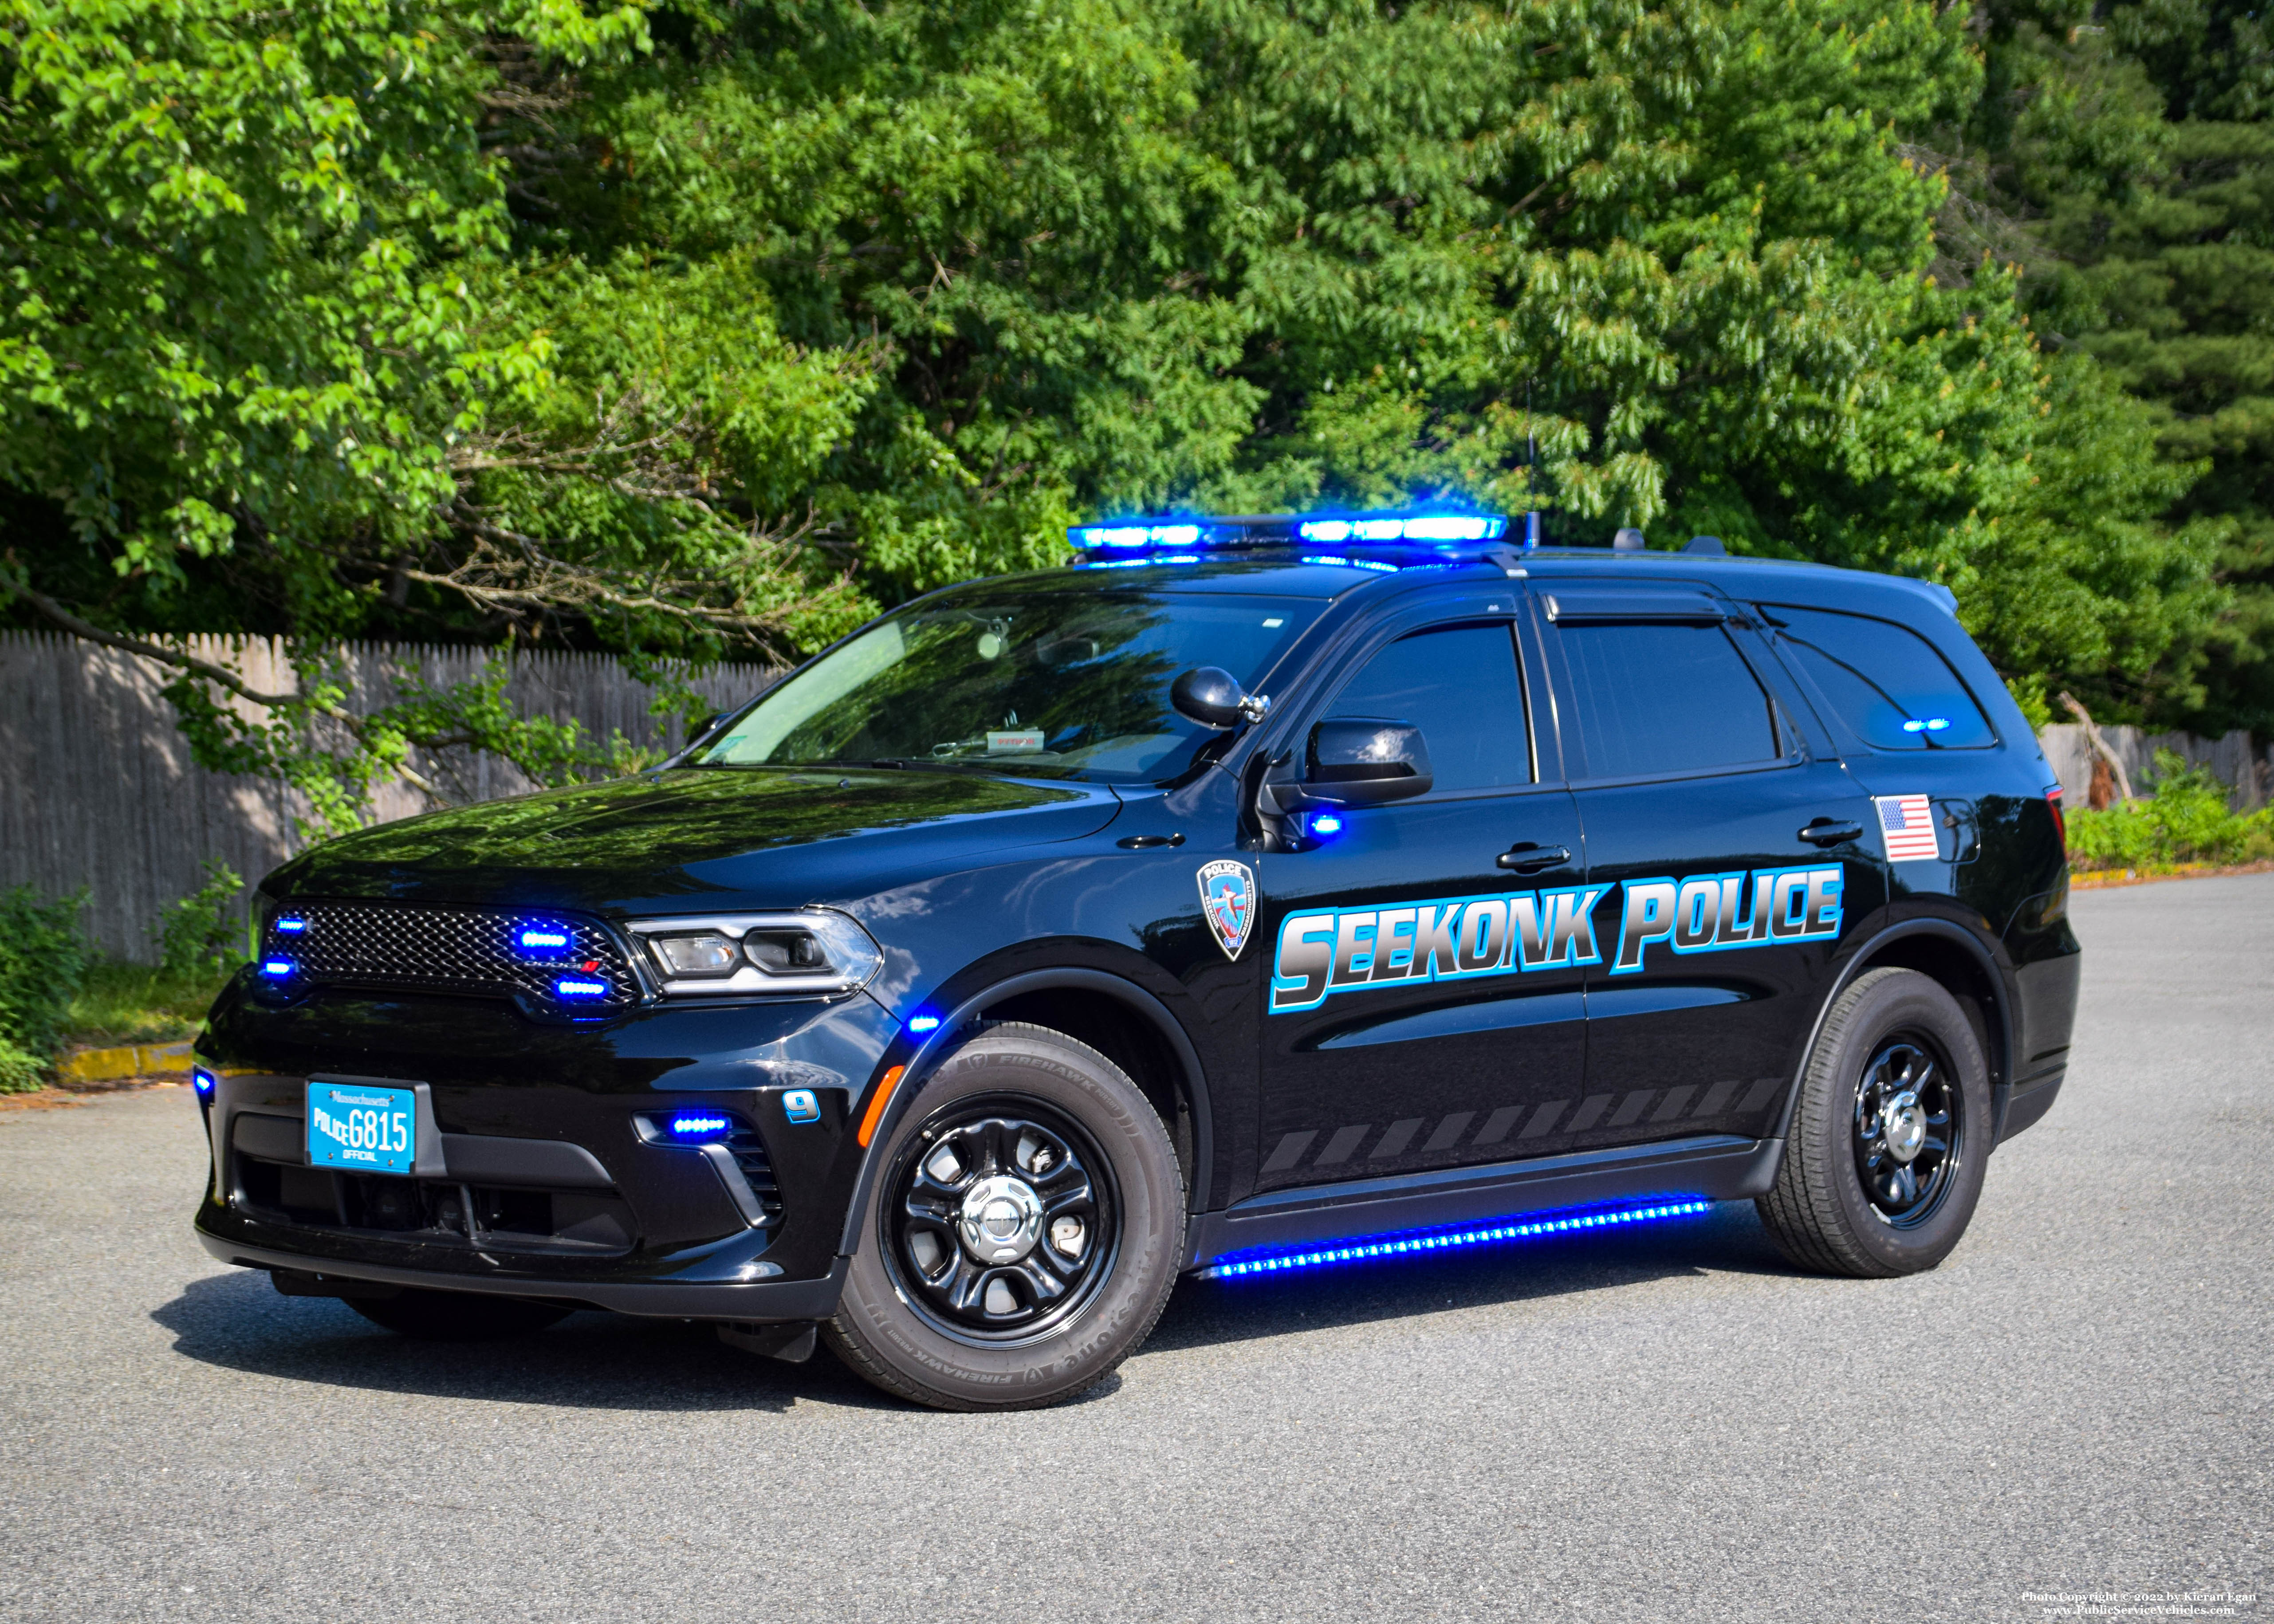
(1023, 1234)
(1890, 1135)
(458, 1316)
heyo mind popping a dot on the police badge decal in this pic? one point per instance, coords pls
(1228, 900)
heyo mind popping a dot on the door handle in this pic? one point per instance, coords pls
(1526, 857)
(1823, 832)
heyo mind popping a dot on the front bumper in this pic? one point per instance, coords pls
(534, 1177)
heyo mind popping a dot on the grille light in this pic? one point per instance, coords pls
(572, 987)
(291, 925)
(544, 940)
(1366, 1248)
(276, 969)
(694, 1127)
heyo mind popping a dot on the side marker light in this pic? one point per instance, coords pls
(202, 1080)
(923, 1023)
(869, 1118)
(1326, 824)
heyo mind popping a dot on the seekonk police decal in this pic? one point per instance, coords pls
(1327, 951)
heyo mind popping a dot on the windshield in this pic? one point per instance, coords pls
(1056, 684)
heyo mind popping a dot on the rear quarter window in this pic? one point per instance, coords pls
(1890, 685)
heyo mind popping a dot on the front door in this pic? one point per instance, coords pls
(1735, 855)
(1425, 997)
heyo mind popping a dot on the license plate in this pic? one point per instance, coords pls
(363, 1127)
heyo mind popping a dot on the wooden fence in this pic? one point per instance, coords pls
(2246, 773)
(97, 788)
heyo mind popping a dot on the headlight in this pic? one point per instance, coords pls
(811, 952)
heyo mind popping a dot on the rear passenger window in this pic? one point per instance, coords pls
(1654, 699)
(1458, 685)
(1888, 683)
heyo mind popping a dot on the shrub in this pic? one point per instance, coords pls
(42, 959)
(199, 935)
(2184, 820)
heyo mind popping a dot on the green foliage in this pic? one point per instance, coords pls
(203, 933)
(2185, 820)
(680, 329)
(121, 1002)
(42, 959)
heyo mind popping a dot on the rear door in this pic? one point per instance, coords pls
(1424, 998)
(1733, 851)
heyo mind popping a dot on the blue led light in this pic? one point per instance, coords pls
(699, 1127)
(291, 927)
(544, 938)
(1326, 824)
(1351, 563)
(571, 987)
(1141, 563)
(1443, 1240)
(923, 1023)
(277, 967)
(202, 1080)
(1413, 526)
(1135, 535)
(1931, 725)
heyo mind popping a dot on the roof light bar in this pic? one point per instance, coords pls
(1412, 1243)
(1265, 530)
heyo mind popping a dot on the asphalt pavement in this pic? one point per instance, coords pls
(1661, 1423)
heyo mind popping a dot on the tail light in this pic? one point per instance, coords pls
(2061, 821)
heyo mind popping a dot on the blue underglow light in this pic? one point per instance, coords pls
(1363, 1248)
(1326, 824)
(202, 1080)
(291, 927)
(923, 1023)
(570, 988)
(544, 938)
(277, 967)
(1931, 725)
(1351, 563)
(699, 1127)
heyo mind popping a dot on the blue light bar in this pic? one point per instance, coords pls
(570, 988)
(700, 1127)
(1932, 725)
(290, 927)
(278, 968)
(1086, 535)
(1414, 1242)
(923, 1023)
(1404, 527)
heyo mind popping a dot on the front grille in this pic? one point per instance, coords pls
(477, 951)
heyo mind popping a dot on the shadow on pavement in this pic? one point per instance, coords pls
(614, 1362)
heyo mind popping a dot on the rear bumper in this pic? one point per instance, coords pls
(759, 1300)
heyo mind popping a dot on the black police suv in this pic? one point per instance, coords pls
(1255, 892)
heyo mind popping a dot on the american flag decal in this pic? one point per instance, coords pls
(1908, 823)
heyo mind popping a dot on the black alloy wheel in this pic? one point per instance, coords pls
(1003, 1221)
(1884, 1158)
(1909, 1122)
(1024, 1231)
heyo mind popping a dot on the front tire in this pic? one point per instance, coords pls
(1890, 1135)
(1024, 1233)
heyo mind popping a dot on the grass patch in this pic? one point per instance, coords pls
(2185, 822)
(134, 1003)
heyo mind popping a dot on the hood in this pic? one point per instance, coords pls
(701, 838)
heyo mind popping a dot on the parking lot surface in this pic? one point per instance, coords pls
(1665, 1422)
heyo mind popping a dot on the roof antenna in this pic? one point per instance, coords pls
(1531, 467)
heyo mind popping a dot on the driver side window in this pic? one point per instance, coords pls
(1457, 684)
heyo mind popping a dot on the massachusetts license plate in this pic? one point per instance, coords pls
(363, 1127)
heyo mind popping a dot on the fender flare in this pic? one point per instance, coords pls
(1861, 960)
(941, 1043)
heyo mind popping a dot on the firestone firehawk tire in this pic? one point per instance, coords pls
(1025, 1232)
(1890, 1135)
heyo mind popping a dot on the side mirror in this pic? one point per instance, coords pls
(1365, 761)
(1212, 696)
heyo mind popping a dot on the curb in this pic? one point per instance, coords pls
(103, 1065)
